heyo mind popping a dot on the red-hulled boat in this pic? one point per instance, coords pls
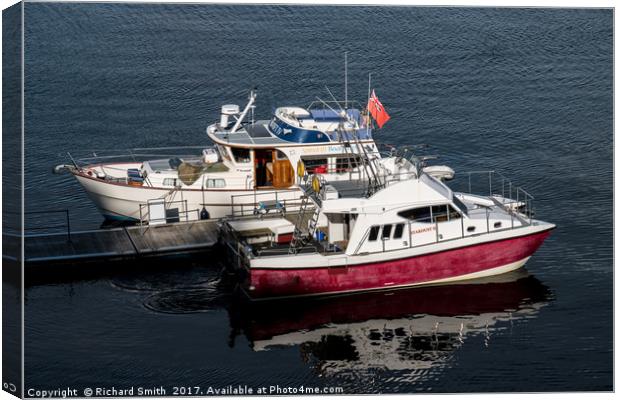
(402, 227)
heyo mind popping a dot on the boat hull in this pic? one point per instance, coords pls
(457, 264)
(123, 202)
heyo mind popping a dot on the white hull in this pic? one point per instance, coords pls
(125, 202)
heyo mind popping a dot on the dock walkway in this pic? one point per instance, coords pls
(115, 243)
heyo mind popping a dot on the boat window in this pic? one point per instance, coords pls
(387, 231)
(280, 155)
(440, 213)
(347, 163)
(497, 225)
(170, 182)
(374, 233)
(471, 228)
(420, 214)
(453, 214)
(241, 155)
(216, 183)
(316, 165)
(223, 152)
(459, 204)
(398, 231)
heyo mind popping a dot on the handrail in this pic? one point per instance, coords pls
(357, 249)
(523, 198)
(349, 103)
(284, 251)
(133, 153)
(254, 192)
(146, 216)
(67, 223)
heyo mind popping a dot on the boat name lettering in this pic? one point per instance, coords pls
(422, 230)
(322, 149)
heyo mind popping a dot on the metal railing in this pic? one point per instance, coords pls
(145, 216)
(240, 208)
(135, 154)
(30, 228)
(495, 185)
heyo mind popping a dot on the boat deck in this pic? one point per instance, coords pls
(311, 247)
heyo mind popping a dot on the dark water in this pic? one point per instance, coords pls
(527, 92)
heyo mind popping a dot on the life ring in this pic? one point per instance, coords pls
(316, 184)
(301, 169)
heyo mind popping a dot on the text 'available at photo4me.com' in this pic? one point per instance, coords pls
(230, 390)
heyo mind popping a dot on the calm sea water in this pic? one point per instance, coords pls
(524, 91)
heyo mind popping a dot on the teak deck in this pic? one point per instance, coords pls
(126, 242)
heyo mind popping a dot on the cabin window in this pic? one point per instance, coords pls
(440, 213)
(216, 183)
(398, 231)
(223, 152)
(420, 214)
(241, 155)
(497, 225)
(347, 163)
(374, 233)
(316, 165)
(170, 182)
(471, 228)
(459, 204)
(387, 231)
(453, 214)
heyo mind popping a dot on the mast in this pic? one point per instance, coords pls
(368, 111)
(251, 101)
(373, 178)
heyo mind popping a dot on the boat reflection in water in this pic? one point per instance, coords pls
(400, 330)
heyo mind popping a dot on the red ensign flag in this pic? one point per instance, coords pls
(377, 110)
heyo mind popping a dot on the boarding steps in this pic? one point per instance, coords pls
(300, 239)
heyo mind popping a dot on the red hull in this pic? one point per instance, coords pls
(269, 283)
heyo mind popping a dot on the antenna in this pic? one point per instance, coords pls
(326, 105)
(332, 95)
(251, 100)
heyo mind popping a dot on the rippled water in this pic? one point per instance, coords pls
(527, 92)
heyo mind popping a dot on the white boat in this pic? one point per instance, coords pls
(250, 160)
(408, 228)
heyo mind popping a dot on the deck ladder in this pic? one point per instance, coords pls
(299, 239)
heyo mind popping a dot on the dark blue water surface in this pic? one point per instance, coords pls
(524, 91)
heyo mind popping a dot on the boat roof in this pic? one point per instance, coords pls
(424, 190)
(256, 134)
(296, 126)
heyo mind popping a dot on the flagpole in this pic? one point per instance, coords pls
(367, 109)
